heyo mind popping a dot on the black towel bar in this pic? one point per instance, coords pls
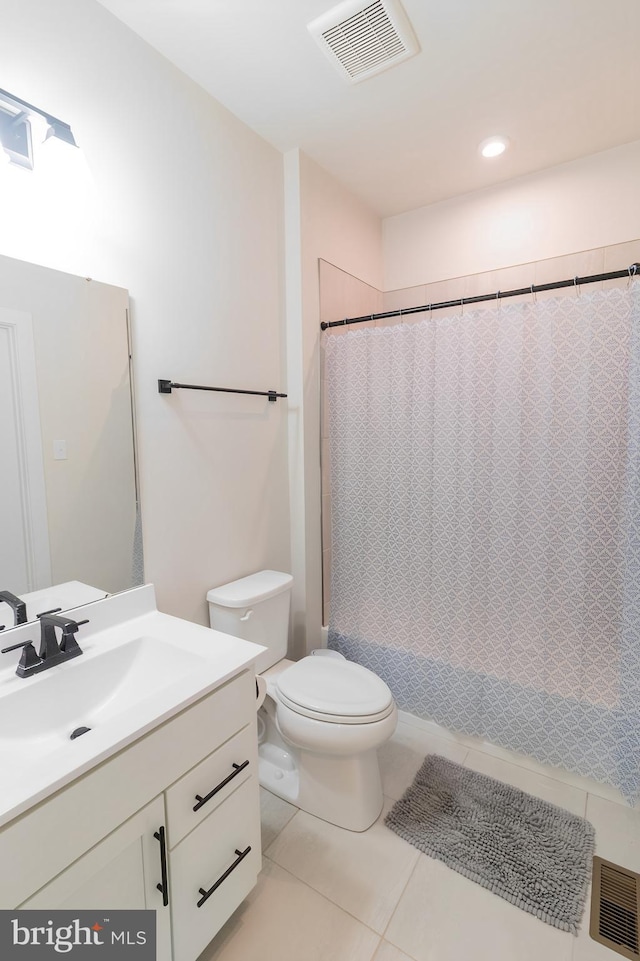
(166, 386)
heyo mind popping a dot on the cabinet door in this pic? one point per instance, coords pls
(121, 872)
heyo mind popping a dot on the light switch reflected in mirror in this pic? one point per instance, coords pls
(68, 496)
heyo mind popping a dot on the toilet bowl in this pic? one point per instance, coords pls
(322, 719)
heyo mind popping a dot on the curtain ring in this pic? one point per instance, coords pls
(533, 295)
(575, 286)
(498, 299)
(632, 270)
(400, 311)
(462, 306)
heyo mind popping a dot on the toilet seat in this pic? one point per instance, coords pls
(334, 691)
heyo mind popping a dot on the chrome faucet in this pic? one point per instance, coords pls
(50, 653)
(18, 606)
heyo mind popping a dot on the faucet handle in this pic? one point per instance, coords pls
(28, 660)
(14, 647)
(67, 641)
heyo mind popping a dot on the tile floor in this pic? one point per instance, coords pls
(326, 894)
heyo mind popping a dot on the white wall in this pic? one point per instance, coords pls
(588, 203)
(324, 221)
(176, 200)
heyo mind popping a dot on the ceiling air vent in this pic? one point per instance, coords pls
(364, 40)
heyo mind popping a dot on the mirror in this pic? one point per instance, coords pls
(68, 494)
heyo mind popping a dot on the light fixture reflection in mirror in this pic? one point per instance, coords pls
(15, 138)
(46, 206)
(67, 435)
(17, 117)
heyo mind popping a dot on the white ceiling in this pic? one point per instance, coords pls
(560, 78)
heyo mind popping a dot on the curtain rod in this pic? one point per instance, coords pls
(632, 271)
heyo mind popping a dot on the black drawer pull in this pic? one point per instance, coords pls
(223, 877)
(164, 887)
(236, 770)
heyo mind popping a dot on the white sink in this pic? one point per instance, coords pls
(89, 693)
(138, 669)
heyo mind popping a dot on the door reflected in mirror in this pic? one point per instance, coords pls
(69, 510)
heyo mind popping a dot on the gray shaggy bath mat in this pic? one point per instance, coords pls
(529, 852)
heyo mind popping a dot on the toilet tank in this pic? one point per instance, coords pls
(255, 608)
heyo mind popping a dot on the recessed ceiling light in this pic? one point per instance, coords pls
(493, 146)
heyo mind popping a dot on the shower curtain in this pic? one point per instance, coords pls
(485, 494)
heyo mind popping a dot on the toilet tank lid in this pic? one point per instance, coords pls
(250, 590)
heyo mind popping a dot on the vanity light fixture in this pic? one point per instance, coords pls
(15, 129)
(493, 146)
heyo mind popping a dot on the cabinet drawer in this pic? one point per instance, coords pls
(211, 782)
(210, 856)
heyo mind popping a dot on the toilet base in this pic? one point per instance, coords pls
(278, 774)
(343, 790)
(345, 803)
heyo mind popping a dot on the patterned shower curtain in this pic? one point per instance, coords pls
(485, 489)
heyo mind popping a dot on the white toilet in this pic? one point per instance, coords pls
(323, 718)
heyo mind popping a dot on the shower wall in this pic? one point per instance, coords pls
(342, 295)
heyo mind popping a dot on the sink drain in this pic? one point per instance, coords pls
(78, 731)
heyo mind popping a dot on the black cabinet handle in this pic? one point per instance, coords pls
(236, 770)
(164, 887)
(223, 877)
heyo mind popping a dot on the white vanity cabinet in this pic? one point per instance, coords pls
(96, 844)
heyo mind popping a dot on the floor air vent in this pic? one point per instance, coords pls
(615, 908)
(364, 39)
